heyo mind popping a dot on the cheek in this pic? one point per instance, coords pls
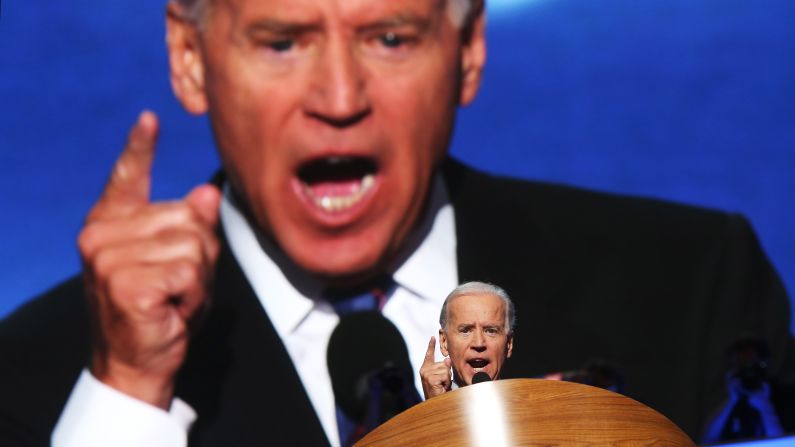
(250, 119)
(243, 116)
(455, 347)
(232, 114)
(501, 353)
(246, 97)
(417, 105)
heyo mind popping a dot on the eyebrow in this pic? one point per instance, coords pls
(422, 24)
(274, 26)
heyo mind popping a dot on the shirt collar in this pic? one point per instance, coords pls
(268, 270)
(288, 294)
(430, 264)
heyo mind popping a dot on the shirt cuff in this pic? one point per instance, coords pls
(97, 415)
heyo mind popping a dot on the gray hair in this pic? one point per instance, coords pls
(195, 10)
(480, 288)
(459, 11)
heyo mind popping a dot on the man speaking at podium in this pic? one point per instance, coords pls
(475, 336)
(205, 320)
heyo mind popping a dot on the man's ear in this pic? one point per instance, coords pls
(473, 53)
(185, 60)
(509, 346)
(443, 343)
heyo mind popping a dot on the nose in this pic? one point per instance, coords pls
(478, 342)
(337, 95)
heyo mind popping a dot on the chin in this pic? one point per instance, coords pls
(340, 263)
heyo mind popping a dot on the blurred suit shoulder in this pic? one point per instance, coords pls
(43, 346)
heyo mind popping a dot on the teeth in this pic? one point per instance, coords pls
(340, 203)
(367, 182)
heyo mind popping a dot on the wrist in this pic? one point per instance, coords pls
(151, 387)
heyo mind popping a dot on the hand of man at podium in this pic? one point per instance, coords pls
(147, 269)
(437, 377)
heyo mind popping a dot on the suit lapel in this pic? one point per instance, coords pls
(239, 377)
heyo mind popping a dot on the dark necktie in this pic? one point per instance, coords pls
(363, 299)
(387, 388)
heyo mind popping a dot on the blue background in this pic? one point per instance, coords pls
(689, 100)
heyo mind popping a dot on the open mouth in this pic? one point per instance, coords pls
(478, 364)
(337, 183)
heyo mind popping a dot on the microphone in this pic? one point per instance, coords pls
(479, 377)
(370, 369)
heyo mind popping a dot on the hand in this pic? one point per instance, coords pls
(147, 269)
(734, 389)
(758, 398)
(436, 377)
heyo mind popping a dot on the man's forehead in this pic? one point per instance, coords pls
(323, 10)
(313, 7)
(470, 305)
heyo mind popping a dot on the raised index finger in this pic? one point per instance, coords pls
(129, 184)
(430, 354)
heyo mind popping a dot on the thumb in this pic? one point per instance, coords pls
(205, 200)
(447, 362)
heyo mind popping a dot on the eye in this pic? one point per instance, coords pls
(392, 40)
(281, 45)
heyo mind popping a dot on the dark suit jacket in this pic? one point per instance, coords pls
(659, 289)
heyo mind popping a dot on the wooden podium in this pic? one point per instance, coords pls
(529, 412)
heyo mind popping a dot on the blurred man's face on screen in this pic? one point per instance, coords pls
(476, 337)
(330, 115)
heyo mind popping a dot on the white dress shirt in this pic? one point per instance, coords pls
(303, 321)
